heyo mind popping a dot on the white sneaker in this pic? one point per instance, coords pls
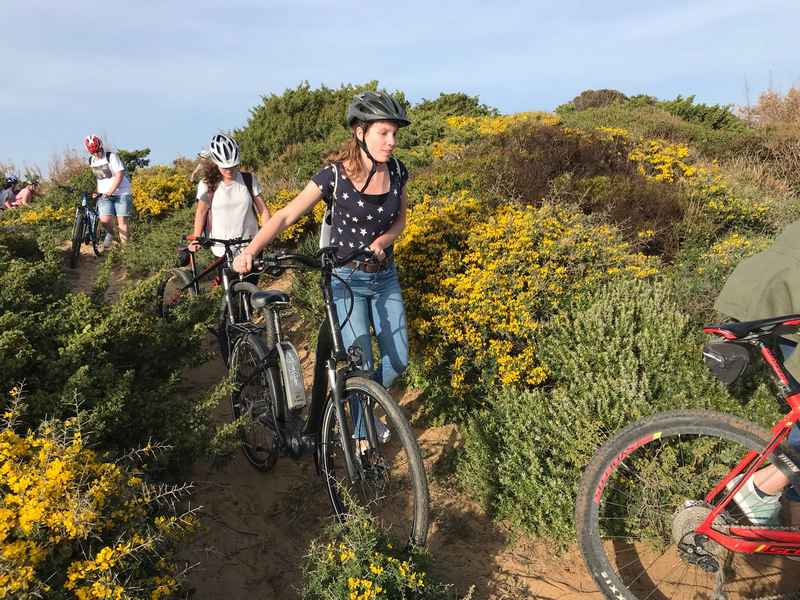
(757, 510)
(384, 435)
(107, 241)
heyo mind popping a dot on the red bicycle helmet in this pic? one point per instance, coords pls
(93, 144)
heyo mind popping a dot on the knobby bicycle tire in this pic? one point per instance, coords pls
(394, 487)
(225, 338)
(641, 497)
(77, 238)
(171, 291)
(256, 391)
(93, 236)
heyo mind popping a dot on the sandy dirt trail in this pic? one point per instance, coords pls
(256, 527)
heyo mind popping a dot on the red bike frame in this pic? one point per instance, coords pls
(744, 539)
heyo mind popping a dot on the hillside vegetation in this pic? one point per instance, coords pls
(556, 267)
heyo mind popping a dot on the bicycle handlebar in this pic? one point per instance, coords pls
(325, 257)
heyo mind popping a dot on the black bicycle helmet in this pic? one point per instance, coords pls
(368, 107)
(376, 106)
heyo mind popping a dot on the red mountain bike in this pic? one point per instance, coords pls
(656, 516)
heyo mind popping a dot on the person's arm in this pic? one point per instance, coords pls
(261, 209)
(279, 222)
(118, 170)
(116, 179)
(200, 215)
(380, 243)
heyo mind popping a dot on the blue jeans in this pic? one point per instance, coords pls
(377, 303)
(115, 206)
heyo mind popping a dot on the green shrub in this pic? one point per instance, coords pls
(627, 352)
(358, 560)
(593, 99)
(120, 359)
(648, 213)
(522, 161)
(297, 116)
(655, 122)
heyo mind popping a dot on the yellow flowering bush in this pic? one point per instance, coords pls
(160, 189)
(308, 223)
(499, 124)
(431, 247)
(521, 268)
(39, 214)
(360, 562)
(660, 160)
(74, 525)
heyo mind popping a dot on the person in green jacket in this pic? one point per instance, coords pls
(768, 285)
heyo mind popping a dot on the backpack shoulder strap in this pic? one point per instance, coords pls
(335, 180)
(248, 182)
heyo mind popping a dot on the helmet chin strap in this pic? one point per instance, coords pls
(374, 169)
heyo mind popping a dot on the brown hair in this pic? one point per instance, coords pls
(209, 173)
(349, 154)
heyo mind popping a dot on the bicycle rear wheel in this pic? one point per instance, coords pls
(254, 396)
(173, 289)
(641, 498)
(77, 238)
(392, 486)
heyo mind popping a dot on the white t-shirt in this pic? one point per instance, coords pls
(104, 171)
(232, 211)
(202, 192)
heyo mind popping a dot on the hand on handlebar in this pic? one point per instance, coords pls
(380, 254)
(243, 263)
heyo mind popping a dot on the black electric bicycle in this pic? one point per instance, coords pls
(86, 227)
(184, 281)
(363, 445)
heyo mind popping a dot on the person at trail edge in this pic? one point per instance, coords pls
(233, 199)
(26, 194)
(7, 194)
(762, 286)
(364, 187)
(114, 187)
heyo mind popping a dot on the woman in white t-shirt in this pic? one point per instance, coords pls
(233, 207)
(114, 187)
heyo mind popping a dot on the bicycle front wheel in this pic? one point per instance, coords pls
(77, 238)
(641, 498)
(391, 483)
(254, 396)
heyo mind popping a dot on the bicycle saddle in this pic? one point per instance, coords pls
(268, 297)
(739, 329)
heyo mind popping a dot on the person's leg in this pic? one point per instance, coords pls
(356, 330)
(769, 479)
(122, 207)
(105, 210)
(389, 321)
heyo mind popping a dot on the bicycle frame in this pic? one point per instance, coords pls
(333, 365)
(758, 539)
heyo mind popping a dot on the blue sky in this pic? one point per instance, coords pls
(168, 74)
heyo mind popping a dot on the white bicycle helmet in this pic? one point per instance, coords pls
(224, 151)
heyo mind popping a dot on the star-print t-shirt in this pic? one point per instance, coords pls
(360, 218)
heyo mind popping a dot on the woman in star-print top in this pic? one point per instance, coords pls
(369, 212)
